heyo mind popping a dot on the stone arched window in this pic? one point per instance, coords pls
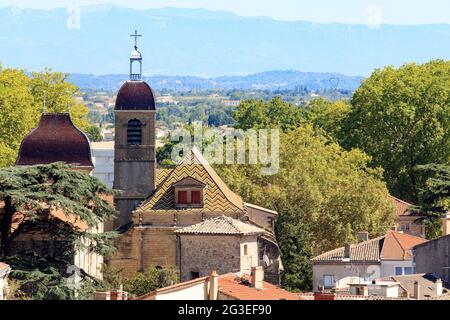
(134, 132)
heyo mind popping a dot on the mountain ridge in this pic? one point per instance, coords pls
(207, 43)
(268, 80)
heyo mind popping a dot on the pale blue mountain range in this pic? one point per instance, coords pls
(199, 42)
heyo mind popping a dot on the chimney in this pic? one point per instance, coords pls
(102, 295)
(213, 286)
(362, 236)
(324, 296)
(118, 294)
(347, 251)
(257, 278)
(416, 290)
(394, 227)
(439, 287)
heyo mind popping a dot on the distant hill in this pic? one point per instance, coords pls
(207, 43)
(272, 80)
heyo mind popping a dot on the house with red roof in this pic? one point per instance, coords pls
(388, 255)
(231, 286)
(406, 221)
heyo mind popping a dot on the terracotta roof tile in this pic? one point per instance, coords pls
(397, 246)
(221, 225)
(3, 266)
(401, 207)
(364, 251)
(427, 284)
(239, 288)
(391, 246)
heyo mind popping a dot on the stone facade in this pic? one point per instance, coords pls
(434, 257)
(202, 254)
(134, 165)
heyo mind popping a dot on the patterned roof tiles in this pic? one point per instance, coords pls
(391, 246)
(364, 251)
(217, 197)
(223, 226)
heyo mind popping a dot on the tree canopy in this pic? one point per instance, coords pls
(324, 195)
(35, 192)
(21, 104)
(435, 199)
(401, 118)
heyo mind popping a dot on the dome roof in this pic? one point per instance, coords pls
(135, 55)
(56, 139)
(135, 95)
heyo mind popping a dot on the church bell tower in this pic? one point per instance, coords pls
(134, 149)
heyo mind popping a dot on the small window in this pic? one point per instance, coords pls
(398, 271)
(245, 250)
(195, 197)
(182, 197)
(134, 132)
(409, 270)
(328, 281)
(405, 227)
(195, 275)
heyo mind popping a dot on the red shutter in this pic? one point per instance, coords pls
(195, 197)
(182, 197)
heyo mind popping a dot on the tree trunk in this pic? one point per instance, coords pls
(5, 226)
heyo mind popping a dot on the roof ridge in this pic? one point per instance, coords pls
(217, 179)
(351, 246)
(400, 200)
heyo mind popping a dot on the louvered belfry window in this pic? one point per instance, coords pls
(134, 132)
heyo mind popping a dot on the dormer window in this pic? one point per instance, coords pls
(189, 193)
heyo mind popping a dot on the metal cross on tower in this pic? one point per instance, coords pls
(136, 36)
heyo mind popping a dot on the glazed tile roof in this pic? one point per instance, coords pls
(56, 139)
(189, 182)
(217, 196)
(239, 288)
(222, 226)
(391, 246)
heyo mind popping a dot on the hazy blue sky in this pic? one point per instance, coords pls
(349, 11)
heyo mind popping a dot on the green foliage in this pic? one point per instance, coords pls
(18, 113)
(328, 115)
(35, 192)
(142, 283)
(435, 199)
(401, 117)
(21, 99)
(324, 195)
(94, 133)
(256, 114)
